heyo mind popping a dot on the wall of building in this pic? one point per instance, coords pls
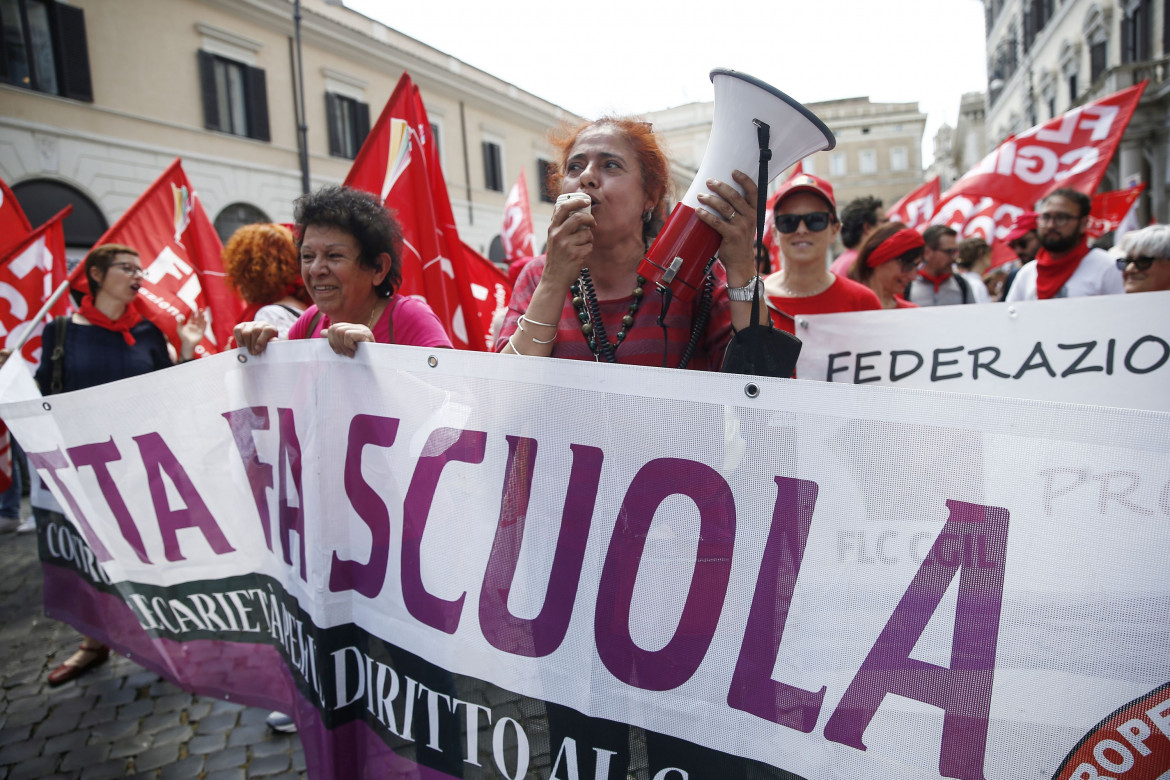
(147, 109)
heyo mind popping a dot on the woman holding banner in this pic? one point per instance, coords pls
(105, 341)
(888, 261)
(351, 265)
(595, 245)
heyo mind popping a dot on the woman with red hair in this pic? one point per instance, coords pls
(585, 300)
(888, 261)
(263, 266)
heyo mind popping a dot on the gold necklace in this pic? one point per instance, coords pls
(788, 292)
(373, 311)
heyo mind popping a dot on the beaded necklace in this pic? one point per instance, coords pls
(589, 314)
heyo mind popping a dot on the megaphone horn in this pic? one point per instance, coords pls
(679, 255)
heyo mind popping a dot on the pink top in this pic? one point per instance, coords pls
(843, 263)
(414, 324)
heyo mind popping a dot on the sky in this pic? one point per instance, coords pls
(637, 56)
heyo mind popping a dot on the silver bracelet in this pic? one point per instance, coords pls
(512, 344)
(746, 292)
(534, 322)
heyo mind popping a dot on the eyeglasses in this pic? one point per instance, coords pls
(1056, 218)
(910, 263)
(816, 221)
(127, 268)
(953, 252)
(1143, 263)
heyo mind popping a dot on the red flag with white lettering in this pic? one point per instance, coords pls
(14, 225)
(399, 164)
(1072, 150)
(180, 252)
(917, 206)
(1110, 208)
(517, 233)
(29, 274)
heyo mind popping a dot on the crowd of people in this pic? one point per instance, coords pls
(337, 277)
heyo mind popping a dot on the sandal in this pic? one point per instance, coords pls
(93, 656)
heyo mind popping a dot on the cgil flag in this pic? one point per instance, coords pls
(517, 234)
(180, 253)
(399, 163)
(917, 206)
(1069, 151)
(29, 274)
(1110, 209)
(14, 225)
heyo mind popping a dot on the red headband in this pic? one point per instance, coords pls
(895, 246)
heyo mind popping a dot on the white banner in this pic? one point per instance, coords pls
(1107, 350)
(832, 580)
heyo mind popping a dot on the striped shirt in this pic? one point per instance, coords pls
(643, 345)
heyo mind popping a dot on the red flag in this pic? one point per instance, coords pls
(489, 286)
(28, 276)
(398, 162)
(1110, 208)
(517, 232)
(14, 225)
(1071, 150)
(917, 206)
(180, 252)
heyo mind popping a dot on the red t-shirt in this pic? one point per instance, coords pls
(643, 345)
(842, 295)
(414, 324)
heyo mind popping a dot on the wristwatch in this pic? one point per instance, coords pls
(746, 292)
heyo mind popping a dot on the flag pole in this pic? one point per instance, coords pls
(32, 324)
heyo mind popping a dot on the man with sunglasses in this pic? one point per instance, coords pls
(937, 284)
(805, 227)
(1145, 260)
(1065, 266)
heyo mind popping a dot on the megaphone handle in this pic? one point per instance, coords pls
(763, 262)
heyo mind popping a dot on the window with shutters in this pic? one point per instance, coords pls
(43, 47)
(493, 169)
(1136, 29)
(349, 124)
(235, 98)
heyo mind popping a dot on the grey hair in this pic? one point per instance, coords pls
(1152, 241)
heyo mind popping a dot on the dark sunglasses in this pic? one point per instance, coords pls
(815, 220)
(1142, 263)
(910, 263)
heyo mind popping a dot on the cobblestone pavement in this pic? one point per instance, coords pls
(119, 720)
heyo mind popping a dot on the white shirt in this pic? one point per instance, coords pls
(1096, 275)
(978, 288)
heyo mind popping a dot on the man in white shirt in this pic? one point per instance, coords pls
(1065, 266)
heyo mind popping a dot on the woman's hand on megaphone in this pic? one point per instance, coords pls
(733, 216)
(570, 240)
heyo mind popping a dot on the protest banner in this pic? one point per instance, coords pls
(180, 253)
(450, 564)
(1112, 350)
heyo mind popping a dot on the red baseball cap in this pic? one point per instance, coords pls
(1024, 224)
(806, 182)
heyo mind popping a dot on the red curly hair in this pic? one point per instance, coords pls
(651, 159)
(263, 264)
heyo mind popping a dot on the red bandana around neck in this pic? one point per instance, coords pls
(937, 281)
(123, 324)
(1053, 272)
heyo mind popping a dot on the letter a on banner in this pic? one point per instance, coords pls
(180, 253)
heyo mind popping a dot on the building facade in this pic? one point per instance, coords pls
(100, 95)
(1047, 56)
